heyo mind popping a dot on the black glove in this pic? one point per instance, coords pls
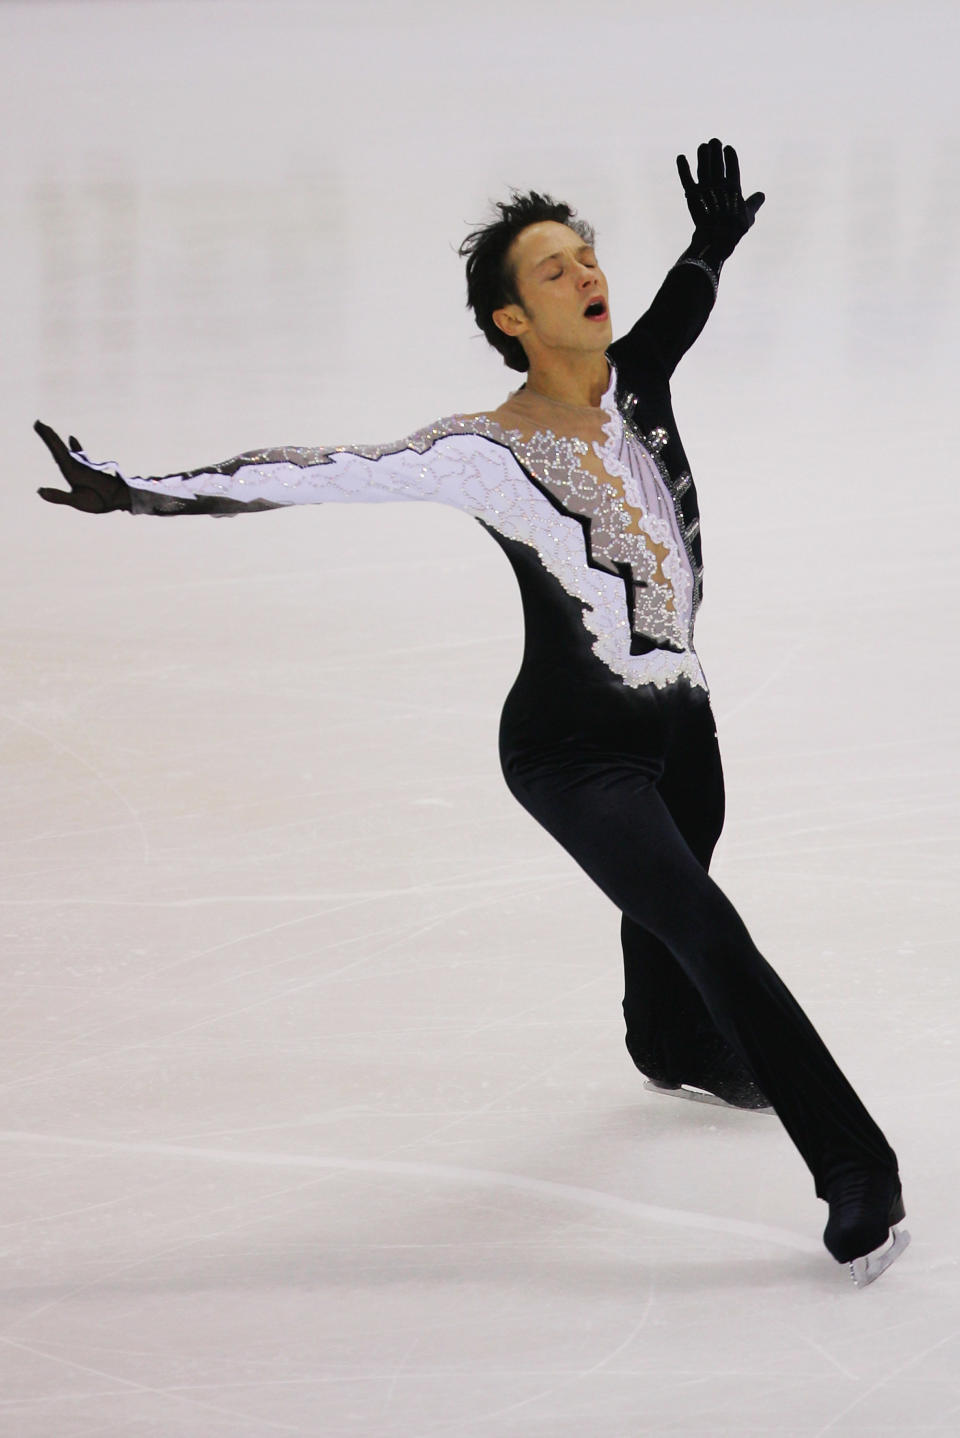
(720, 214)
(91, 490)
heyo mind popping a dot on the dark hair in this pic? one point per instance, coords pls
(491, 279)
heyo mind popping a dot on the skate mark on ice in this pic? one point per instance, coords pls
(170, 1248)
(449, 1173)
(397, 1372)
(458, 884)
(771, 678)
(315, 980)
(129, 1384)
(831, 1358)
(579, 1376)
(21, 1079)
(91, 769)
(72, 1065)
(457, 1120)
(882, 1382)
(191, 959)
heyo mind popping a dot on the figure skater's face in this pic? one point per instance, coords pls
(563, 293)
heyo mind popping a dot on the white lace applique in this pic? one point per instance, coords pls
(473, 464)
(627, 460)
(613, 537)
(596, 528)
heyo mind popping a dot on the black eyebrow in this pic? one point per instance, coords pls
(558, 255)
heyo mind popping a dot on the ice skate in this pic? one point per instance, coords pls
(865, 1270)
(866, 1207)
(752, 1103)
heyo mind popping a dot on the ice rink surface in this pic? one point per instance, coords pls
(316, 1113)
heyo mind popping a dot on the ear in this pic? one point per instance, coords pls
(511, 320)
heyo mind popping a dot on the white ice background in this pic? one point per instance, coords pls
(316, 1116)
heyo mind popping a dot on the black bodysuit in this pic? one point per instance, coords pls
(607, 737)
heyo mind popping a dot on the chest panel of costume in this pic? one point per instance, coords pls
(594, 466)
(585, 492)
(553, 493)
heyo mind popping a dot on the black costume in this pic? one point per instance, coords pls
(607, 736)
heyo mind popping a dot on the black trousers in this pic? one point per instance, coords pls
(638, 803)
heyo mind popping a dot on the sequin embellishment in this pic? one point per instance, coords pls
(712, 275)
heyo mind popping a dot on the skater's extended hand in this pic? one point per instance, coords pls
(720, 214)
(91, 490)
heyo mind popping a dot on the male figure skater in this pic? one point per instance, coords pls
(606, 737)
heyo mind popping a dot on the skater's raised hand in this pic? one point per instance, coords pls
(91, 490)
(720, 214)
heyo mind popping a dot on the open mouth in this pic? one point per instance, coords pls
(596, 310)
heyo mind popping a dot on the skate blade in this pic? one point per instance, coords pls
(697, 1095)
(869, 1268)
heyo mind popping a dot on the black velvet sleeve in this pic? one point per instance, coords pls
(677, 313)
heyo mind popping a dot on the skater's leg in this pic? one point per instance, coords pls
(669, 1034)
(608, 815)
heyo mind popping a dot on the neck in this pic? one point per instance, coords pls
(570, 379)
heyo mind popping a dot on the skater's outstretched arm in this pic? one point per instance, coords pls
(443, 462)
(721, 218)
